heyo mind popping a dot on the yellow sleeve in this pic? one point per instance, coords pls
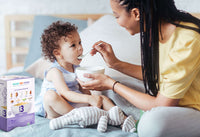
(183, 65)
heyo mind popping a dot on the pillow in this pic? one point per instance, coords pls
(38, 68)
(125, 46)
(41, 23)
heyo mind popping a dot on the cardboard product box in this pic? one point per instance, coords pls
(16, 101)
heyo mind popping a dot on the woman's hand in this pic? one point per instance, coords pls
(106, 52)
(99, 82)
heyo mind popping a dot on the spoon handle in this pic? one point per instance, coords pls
(81, 57)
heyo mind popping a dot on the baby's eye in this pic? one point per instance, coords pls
(73, 45)
(80, 43)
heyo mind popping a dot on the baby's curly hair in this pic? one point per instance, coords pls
(51, 36)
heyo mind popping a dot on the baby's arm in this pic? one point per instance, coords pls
(54, 75)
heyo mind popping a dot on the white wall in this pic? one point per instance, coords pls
(63, 7)
(46, 7)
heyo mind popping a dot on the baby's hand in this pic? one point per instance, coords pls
(96, 101)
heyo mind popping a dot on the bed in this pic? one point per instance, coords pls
(23, 57)
(23, 51)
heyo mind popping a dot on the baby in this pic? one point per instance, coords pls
(60, 91)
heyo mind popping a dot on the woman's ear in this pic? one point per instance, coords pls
(136, 13)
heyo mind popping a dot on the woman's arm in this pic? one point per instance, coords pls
(112, 61)
(129, 69)
(139, 99)
(54, 75)
(142, 100)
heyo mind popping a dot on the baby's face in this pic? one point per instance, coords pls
(71, 48)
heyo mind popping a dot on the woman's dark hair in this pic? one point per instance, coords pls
(52, 35)
(152, 12)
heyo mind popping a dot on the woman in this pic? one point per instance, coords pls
(170, 45)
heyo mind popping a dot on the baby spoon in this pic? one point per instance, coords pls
(82, 56)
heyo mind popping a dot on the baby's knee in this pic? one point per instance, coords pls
(51, 96)
(153, 124)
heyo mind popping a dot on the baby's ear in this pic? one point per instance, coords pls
(57, 54)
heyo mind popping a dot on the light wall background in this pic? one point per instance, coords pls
(64, 7)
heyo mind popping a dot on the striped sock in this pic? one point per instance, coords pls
(102, 125)
(129, 124)
(90, 115)
(83, 116)
(67, 119)
(116, 116)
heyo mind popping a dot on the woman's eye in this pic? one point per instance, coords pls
(116, 16)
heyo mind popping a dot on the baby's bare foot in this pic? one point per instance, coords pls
(96, 101)
(107, 103)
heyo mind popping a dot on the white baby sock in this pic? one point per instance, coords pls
(129, 124)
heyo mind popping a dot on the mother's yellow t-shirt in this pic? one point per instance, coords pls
(179, 60)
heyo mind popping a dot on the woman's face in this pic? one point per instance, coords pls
(128, 20)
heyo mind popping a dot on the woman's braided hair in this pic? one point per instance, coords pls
(152, 12)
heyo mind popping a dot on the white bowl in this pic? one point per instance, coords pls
(80, 71)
